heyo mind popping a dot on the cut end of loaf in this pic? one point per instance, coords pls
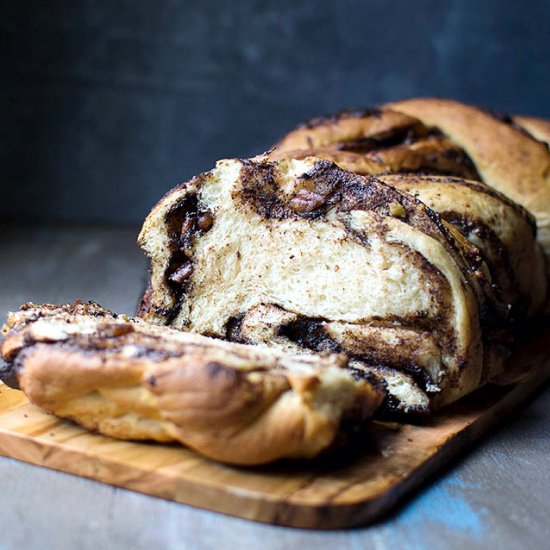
(330, 250)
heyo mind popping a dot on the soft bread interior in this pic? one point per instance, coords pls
(372, 267)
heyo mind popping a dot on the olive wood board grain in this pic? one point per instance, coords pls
(351, 488)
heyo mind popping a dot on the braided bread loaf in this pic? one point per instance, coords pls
(398, 238)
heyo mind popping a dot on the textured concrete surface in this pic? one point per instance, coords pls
(105, 105)
(496, 496)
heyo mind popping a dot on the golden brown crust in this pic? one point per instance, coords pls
(131, 380)
(505, 157)
(539, 128)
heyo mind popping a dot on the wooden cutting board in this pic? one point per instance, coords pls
(350, 489)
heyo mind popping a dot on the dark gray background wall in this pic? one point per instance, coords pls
(104, 105)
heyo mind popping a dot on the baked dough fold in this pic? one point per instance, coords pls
(129, 379)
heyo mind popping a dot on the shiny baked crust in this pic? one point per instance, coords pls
(128, 379)
(302, 255)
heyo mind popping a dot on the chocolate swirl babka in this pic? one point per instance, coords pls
(300, 254)
(132, 380)
(373, 262)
